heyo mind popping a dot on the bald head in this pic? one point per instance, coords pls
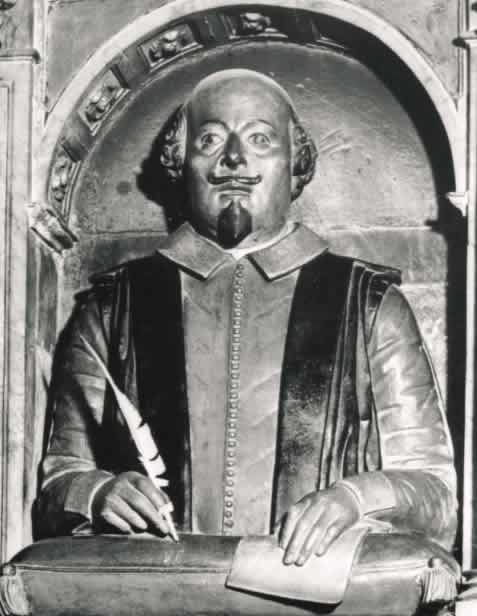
(240, 83)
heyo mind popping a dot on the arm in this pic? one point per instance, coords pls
(74, 489)
(70, 476)
(416, 490)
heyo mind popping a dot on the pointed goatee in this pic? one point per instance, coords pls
(234, 224)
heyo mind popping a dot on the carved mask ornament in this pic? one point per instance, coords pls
(238, 168)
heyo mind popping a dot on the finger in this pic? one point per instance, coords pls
(114, 520)
(157, 497)
(333, 532)
(144, 507)
(313, 540)
(121, 508)
(289, 524)
(301, 532)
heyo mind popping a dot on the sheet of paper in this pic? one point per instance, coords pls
(258, 567)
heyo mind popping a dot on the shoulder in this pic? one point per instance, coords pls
(395, 318)
(110, 276)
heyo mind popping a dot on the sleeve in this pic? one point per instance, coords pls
(70, 476)
(416, 488)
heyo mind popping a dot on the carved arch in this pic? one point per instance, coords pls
(110, 76)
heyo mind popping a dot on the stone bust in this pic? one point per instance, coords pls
(286, 388)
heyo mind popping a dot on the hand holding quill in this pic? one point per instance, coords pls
(130, 499)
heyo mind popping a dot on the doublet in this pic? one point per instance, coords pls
(262, 379)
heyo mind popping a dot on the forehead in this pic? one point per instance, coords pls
(236, 102)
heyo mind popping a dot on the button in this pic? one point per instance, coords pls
(228, 514)
(236, 323)
(235, 338)
(234, 385)
(235, 365)
(229, 492)
(229, 483)
(231, 443)
(237, 312)
(232, 423)
(236, 347)
(230, 463)
(233, 395)
(229, 504)
(235, 377)
(230, 454)
(240, 267)
(229, 523)
(234, 405)
(233, 414)
(230, 472)
(232, 433)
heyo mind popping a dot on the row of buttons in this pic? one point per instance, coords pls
(233, 401)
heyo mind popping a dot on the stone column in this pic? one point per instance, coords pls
(17, 62)
(469, 511)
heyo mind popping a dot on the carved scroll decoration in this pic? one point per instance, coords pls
(168, 45)
(48, 225)
(13, 598)
(460, 200)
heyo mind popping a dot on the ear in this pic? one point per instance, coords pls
(304, 156)
(173, 146)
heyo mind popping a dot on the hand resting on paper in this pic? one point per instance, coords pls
(130, 502)
(314, 522)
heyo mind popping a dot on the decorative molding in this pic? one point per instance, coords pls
(6, 120)
(438, 583)
(48, 225)
(248, 24)
(168, 45)
(460, 200)
(60, 180)
(104, 97)
(13, 597)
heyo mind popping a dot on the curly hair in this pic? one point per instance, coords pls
(162, 172)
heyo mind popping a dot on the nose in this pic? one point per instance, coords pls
(233, 155)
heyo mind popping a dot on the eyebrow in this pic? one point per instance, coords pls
(245, 126)
(207, 122)
(259, 120)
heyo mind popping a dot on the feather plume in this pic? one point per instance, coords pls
(140, 432)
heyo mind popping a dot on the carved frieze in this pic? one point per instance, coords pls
(250, 24)
(168, 44)
(102, 100)
(60, 180)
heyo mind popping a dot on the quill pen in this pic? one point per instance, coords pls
(141, 434)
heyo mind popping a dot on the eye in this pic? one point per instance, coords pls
(259, 140)
(210, 140)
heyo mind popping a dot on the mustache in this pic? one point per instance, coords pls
(246, 180)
